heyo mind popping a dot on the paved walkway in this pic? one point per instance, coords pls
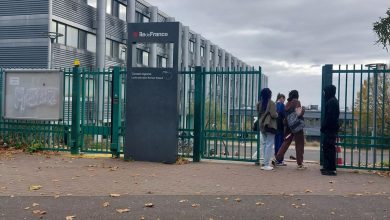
(66, 176)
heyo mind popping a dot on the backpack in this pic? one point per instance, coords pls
(294, 123)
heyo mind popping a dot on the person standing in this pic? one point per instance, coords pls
(329, 128)
(267, 123)
(293, 104)
(279, 136)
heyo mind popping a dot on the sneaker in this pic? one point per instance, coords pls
(281, 164)
(301, 167)
(273, 162)
(267, 168)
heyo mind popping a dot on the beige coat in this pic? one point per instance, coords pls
(268, 117)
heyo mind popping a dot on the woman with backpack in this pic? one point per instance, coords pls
(294, 129)
(266, 109)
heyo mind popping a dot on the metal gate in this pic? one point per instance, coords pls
(217, 111)
(364, 96)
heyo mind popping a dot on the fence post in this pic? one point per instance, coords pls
(198, 113)
(257, 163)
(75, 128)
(115, 112)
(327, 72)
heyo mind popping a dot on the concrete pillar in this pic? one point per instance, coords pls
(223, 60)
(101, 34)
(229, 62)
(100, 56)
(186, 38)
(234, 63)
(198, 43)
(171, 48)
(215, 57)
(153, 47)
(207, 55)
(130, 17)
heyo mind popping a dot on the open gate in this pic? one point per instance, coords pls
(217, 112)
(364, 96)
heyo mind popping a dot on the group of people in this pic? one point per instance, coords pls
(280, 124)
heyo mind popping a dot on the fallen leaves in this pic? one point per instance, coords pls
(35, 187)
(35, 204)
(106, 204)
(115, 195)
(308, 191)
(122, 210)
(260, 203)
(149, 205)
(183, 200)
(39, 212)
(114, 168)
(358, 194)
(70, 217)
(195, 205)
(237, 200)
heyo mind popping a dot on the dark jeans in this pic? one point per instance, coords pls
(329, 148)
(299, 139)
(278, 143)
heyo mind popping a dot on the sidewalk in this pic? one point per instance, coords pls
(63, 175)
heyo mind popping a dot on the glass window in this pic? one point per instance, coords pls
(139, 56)
(145, 19)
(82, 39)
(164, 62)
(92, 3)
(145, 58)
(122, 51)
(108, 48)
(115, 49)
(61, 30)
(201, 51)
(192, 46)
(109, 7)
(71, 36)
(91, 42)
(122, 12)
(53, 26)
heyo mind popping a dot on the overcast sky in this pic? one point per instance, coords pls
(289, 39)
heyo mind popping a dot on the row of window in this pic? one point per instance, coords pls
(143, 59)
(80, 39)
(118, 9)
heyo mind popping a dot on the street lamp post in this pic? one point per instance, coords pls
(52, 36)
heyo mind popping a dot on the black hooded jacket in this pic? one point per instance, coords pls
(332, 111)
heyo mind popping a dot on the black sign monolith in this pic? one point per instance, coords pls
(152, 99)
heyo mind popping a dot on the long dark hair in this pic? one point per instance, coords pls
(265, 97)
(293, 95)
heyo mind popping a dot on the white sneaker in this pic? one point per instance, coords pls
(267, 168)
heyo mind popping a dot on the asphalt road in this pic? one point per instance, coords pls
(198, 207)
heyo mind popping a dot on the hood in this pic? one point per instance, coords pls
(329, 92)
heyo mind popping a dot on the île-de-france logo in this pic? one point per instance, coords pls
(135, 34)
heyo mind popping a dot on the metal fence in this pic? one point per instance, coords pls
(364, 91)
(87, 124)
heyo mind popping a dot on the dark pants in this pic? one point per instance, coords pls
(279, 137)
(329, 148)
(299, 146)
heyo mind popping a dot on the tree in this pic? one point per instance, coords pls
(382, 30)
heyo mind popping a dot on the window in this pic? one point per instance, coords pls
(61, 30)
(72, 36)
(202, 51)
(108, 47)
(91, 42)
(211, 55)
(192, 46)
(145, 58)
(109, 7)
(82, 39)
(140, 18)
(53, 26)
(122, 51)
(115, 49)
(92, 3)
(122, 12)
(139, 56)
(161, 61)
